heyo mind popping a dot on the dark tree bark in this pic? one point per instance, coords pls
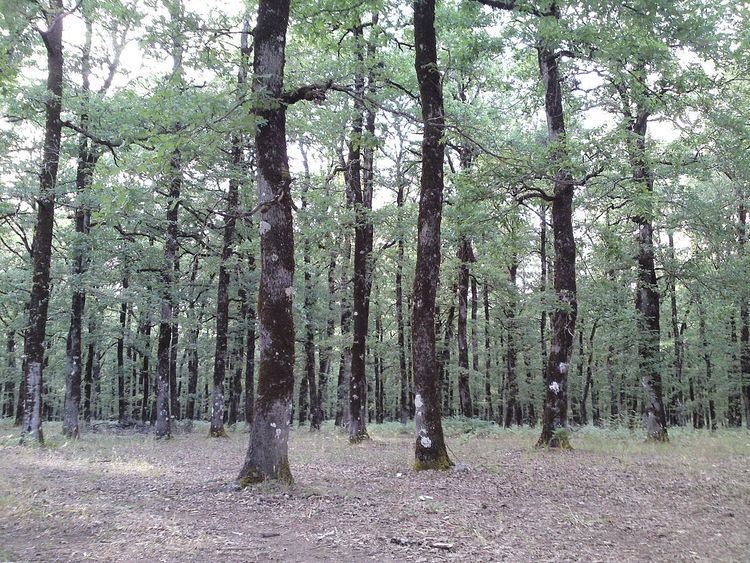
(174, 403)
(84, 175)
(588, 386)
(466, 256)
(9, 390)
(647, 294)
(326, 349)
(709, 366)
(677, 403)
(744, 321)
(360, 178)
(403, 373)
(543, 286)
(31, 427)
(444, 360)
(145, 374)
(250, 355)
(430, 450)
(474, 333)
(513, 411)
(267, 454)
(216, 429)
(487, 352)
(238, 363)
(121, 401)
(164, 343)
(379, 370)
(555, 414)
(345, 362)
(316, 416)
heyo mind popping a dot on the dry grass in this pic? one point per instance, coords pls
(615, 497)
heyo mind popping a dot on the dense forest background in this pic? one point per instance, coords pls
(155, 256)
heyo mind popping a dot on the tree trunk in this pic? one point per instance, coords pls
(326, 350)
(678, 400)
(360, 179)
(709, 366)
(555, 414)
(444, 360)
(42, 246)
(267, 454)
(216, 429)
(84, 175)
(430, 449)
(474, 333)
(513, 411)
(487, 352)
(345, 362)
(403, 373)
(589, 385)
(744, 322)
(466, 256)
(10, 381)
(309, 305)
(647, 294)
(250, 356)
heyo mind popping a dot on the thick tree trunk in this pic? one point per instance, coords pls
(250, 356)
(513, 412)
(267, 454)
(430, 450)
(466, 256)
(647, 294)
(238, 363)
(555, 415)
(31, 427)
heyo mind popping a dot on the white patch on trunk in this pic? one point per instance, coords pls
(265, 226)
(418, 401)
(425, 441)
(554, 387)
(563, 367)
(288, 291)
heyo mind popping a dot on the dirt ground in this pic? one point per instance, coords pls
(126, 497)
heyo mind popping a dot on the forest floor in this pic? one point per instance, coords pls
(124, 497)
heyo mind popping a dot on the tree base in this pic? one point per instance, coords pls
(441, 463)
(359, 438)
(218, 433)
(254, 476)
(554, 441)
